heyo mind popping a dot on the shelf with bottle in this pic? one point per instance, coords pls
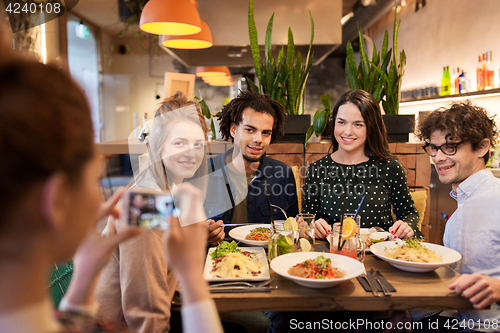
(485, 93)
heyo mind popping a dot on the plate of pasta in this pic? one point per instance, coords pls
(316, 269)
(236, 264)
(252, 234)
(415, 256)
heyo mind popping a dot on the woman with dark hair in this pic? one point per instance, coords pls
(360, 164)
(137, 286)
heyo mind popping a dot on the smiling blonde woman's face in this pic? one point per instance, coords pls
(183, 150)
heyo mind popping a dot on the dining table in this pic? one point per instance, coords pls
(414, 291)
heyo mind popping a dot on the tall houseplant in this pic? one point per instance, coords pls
(284, 80)
(382, 80)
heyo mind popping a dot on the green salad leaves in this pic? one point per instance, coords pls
(225, 248)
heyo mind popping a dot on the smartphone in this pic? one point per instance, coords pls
(146, 208)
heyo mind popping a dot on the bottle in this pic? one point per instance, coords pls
(462, 83)
(456, 81)
(489, 72)
(145, 130)
(479, 74)
(445, 82)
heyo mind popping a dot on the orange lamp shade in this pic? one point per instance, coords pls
(204, 71)
(216, 78)
(200, 40)
(222, 84)
(170, 17)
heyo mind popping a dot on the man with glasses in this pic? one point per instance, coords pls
(458, 140)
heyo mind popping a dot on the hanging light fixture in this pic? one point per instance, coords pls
(222, 84)
(170, 17)
(204, 71)
(216, 79)
(200, 40)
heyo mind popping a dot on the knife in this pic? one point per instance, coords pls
(376, 277)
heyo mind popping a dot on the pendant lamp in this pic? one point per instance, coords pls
(204, 71)
(200, 40)
(170, 17)
(222, 84)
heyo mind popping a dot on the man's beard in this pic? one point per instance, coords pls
(252, 159)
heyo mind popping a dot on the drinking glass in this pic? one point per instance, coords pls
(305, 232)
(280, 241)
(352, 247)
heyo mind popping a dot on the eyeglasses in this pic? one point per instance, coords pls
(449, 148)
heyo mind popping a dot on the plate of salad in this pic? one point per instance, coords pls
(229, 262)
(252, 234)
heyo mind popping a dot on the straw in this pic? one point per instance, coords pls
(359, 206)
(355, 215)
(269, 206)
(339, 247)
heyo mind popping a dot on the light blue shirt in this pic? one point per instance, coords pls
(474, 231)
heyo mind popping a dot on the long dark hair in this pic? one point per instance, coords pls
(376, 135)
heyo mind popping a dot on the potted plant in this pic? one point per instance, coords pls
(284, 79)
(320, 119)
(383, 80)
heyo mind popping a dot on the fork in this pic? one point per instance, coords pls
(365, 275)
(241, 284)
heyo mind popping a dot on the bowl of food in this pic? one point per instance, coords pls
(252, 234)
(414, 256)
(316, 269)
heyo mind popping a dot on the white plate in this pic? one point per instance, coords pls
(350, 267)
(239, 234)
(258, 254)
(448, 256)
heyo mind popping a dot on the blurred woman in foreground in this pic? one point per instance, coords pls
(50, 203)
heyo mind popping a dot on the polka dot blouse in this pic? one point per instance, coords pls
(384, 183)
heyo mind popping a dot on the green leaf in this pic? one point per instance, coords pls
(326, 99)
(212, 128)
(308, 135)
(254, 43)
(253, 85)
(290, 51)
(269, 35)
(386, 61)
(364, 59)
(350, 68)
(312, 39)
(319, 122)
(205, 109)
(385, 44)
(377, 93)
(281, 55)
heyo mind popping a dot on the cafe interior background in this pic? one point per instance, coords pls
(123, 72)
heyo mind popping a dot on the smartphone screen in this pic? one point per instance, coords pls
(148, 209)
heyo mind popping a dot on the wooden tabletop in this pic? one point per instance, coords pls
(415, 291)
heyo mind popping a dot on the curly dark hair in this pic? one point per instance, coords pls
(464, 121)
(376, 134)
(233, 111)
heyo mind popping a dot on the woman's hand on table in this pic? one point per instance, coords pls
(321, 229)
(401, 229)
(481, 290)
(216, 232)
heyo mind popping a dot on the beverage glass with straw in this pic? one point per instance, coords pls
(305, 232)
(345, 238)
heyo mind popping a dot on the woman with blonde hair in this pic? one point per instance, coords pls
(137, 286)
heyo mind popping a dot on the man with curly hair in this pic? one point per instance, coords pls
(240, 177)
(459, 139)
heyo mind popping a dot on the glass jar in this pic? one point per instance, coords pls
(280, 241)
(351, 247)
